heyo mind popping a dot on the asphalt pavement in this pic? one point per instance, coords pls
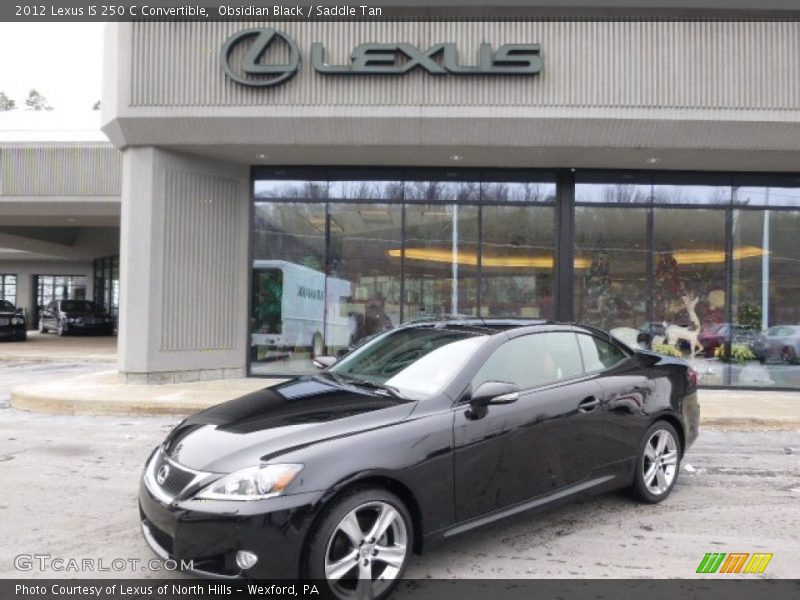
(69, 491)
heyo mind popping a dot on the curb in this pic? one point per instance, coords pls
(184, 399)
(98, 407)
(101, 394)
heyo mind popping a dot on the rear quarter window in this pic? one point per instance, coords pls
(598, 354)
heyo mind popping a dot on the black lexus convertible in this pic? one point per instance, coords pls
(424, 432)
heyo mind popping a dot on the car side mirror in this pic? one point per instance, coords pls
(495, 392)
(323, 362)
(19, 311)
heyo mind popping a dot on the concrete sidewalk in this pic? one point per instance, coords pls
(102, 393)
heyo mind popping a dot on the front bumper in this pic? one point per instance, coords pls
(12, 331)
(209, 533)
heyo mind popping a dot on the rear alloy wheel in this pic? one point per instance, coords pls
(658, 463)
(60, 328)
(362, 546)
(42, 328)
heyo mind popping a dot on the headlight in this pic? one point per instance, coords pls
(252, 483)
(71, 320)
(17, 320)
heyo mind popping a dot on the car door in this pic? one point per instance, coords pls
(549, 438)
(626, 389)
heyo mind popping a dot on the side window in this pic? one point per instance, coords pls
(598, 354)
(533, 360)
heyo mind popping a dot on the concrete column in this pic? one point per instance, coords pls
(183, 262)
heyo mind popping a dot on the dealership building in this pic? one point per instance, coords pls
(285, 189)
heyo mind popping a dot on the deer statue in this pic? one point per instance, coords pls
(675, 333)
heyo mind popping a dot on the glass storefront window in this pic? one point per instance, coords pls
(363, 287)
(689, 285)
(610, 281)
(8, 288)
(612, 188)
(511, 191)
(287, 323)
(517, 261)
(341, 254)
(442, 191)
(765, 337)
(766, 196)
(440, 260)
(106, 283)
(291, 189)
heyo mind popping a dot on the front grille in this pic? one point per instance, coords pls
(177, 478)
(4, 321)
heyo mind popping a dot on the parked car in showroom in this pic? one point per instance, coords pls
(426, 431)
(780, 342)
(714, 335)
(75, 316)
(12, 322)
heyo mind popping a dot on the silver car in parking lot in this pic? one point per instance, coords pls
(779, 342)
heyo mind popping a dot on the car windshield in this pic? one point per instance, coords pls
(78, 306)
(418, 362)
(5, 305)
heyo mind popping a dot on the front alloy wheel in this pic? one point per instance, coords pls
(363, 545)
(658, 464)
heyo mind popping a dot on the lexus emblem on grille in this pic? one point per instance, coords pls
(161, 476)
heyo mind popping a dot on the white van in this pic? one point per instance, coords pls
(289, 308)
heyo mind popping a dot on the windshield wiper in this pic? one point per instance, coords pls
(380, 387)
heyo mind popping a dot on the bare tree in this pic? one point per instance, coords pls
(6, 103)
(35, 101)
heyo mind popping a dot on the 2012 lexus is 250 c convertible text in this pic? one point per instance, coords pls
(423, 432)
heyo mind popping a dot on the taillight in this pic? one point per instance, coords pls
(692, 375)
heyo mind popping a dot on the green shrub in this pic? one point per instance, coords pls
(739, 353)
(668, 350)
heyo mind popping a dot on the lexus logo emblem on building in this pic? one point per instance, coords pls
(246, 66)
(253, 72)
(162, 474)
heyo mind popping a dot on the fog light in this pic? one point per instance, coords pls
(246, 559)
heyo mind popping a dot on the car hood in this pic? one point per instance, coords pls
(5, 313)
(263, 425)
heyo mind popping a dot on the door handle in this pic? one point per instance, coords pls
(588, 404)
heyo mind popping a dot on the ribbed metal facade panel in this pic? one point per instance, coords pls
(33, 170)
(201, 240)
(660, 65)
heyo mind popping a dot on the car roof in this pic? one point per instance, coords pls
(497, 325)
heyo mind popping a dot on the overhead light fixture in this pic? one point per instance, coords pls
(653, 160)
(263, 156)
(704, 257)
(456, 157)
(470, 259)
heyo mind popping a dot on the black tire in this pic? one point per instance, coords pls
(788, 356)
(21, 337)
(326, 535)
(643, 490)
